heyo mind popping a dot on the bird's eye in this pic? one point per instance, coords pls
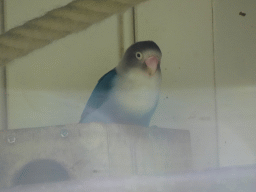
(139, 55)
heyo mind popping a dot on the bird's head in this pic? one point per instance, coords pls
(144, 55)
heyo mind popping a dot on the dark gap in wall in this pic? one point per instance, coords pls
(41, 171)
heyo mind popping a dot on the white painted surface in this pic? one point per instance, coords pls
(183, 31)
(235, 57)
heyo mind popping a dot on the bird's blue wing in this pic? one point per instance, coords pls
(99, 94)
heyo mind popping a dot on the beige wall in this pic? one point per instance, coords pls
(235, 58)
(51, 86)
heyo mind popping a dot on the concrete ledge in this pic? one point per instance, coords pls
(92, 150)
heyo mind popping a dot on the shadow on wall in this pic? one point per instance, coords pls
(41, 171)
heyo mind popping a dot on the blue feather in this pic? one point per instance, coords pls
(128, 94)
(99, 95)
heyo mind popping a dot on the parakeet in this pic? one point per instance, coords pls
(128, 94)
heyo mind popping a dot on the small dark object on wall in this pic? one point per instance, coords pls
(242, 13)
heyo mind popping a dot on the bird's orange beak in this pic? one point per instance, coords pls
(152, 63)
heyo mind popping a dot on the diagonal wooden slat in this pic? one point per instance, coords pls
(56, 24)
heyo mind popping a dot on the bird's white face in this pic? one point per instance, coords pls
(139, 77)
(150, 60)
(145, 56)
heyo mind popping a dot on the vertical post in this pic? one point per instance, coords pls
(2, 27)
(3, 97)
(134, 24)
(215, 91)
(120, 27)
(128, 30)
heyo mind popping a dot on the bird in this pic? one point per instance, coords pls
(129, 93)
